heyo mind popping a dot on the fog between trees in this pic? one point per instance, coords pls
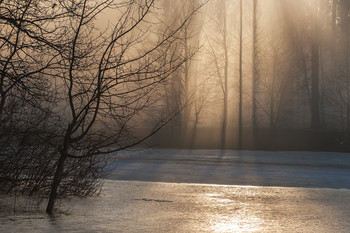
(81, 79)
(265, 68)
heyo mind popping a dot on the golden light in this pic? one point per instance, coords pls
(237, 215)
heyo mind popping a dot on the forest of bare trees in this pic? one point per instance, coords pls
(82, 79)
(277, 73)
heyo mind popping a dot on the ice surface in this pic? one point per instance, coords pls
(260, 168)
(130, 206)
(263, 192)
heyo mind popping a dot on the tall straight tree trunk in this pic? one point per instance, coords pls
(187, 109)
(347, 89)
(240, 104)
(225, 112)
(315, 74)
(194, 130)
(254, 124)
(323, 116)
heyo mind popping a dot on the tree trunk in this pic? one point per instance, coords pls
(2, 103)
(55, 184)
(188, 105)
(315, 91)
(347, 89)
(254, 124)
(194, 130)
(225, 111)
(240, 104)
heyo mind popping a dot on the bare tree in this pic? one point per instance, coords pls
(28, 43)
(76, 88)
(240, 85)
(107, 79)
(219, 50)
(254, 67)
(24, 58)
(181, 94)
(315, 71)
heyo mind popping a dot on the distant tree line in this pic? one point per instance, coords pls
(266, 66)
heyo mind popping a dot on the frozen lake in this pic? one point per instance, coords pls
(177, 191)
(129, 206)
(258, 168)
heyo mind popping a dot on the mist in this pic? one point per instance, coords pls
(200, 74)
(275, 78)
(84, 82)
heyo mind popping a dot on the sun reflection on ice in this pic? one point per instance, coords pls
(232, 214)
(238, 223)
